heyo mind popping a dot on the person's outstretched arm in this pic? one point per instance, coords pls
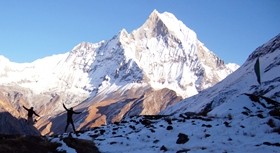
(64, 107)
(36, 114)
(25, 107)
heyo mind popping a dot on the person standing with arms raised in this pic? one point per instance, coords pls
(70, 113)
(30, 115)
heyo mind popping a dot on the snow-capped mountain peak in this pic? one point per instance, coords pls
(168, 51)
(161, 25)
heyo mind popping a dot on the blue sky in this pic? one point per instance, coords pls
(33, 29)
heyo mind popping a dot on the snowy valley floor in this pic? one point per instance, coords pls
(244, 128)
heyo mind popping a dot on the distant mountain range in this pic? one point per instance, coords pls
(138, 73)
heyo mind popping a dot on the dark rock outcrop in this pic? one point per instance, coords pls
(14, 126)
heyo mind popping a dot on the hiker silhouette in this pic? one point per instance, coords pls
(30, 115)
(70, 113)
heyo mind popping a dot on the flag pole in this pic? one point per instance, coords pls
(258, 70)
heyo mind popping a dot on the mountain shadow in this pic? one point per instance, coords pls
(26, 144)
(10, 125)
